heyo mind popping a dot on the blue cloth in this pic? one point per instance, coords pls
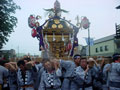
(3, 73)
(91, 41)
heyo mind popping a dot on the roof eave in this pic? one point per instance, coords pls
(118, 7)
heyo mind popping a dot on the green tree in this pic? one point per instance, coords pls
(7, 20)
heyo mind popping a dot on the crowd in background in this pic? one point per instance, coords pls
(81, 73)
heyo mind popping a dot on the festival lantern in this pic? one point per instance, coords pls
(31, 21)
(85, 23)
(34, 33)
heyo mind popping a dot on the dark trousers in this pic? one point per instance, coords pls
(1, 86)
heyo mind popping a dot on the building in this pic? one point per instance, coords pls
(7, 53)
(105, 46)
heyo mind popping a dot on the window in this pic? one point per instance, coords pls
(118, 45)
(106, 48)
(96, 50)
(101, 49)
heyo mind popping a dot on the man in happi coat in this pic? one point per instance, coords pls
(25, 75)
(87, 71)
(50, 79)
(114, 73)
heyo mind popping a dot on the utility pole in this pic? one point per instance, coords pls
(89, 40)
(18, 51)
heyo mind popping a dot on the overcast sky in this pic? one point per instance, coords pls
(101, 14)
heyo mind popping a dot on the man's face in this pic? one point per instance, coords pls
(7, 65)
(25, 61)
(22, 67)
(48, 66)
(77, 60)
(83, 63)
(91, 64)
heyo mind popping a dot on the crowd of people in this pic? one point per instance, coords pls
(81, 73)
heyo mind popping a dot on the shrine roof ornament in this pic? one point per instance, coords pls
(118, 7)
(56, 11)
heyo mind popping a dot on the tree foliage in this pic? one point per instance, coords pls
(7, 20)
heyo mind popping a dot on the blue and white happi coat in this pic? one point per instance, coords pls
(28, 80)
(114, 76)
(50, 81)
